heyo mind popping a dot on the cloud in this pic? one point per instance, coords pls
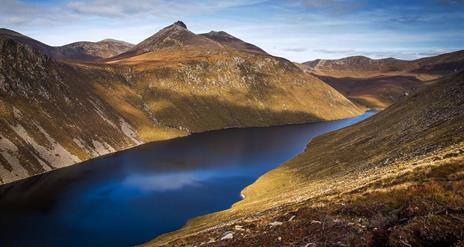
(434, 52)
(163, 182)
(383, 53)
(451, 2)
(19, 13)
(406, 19)
(122, 8)
(295, 49)
(335, 51)
(334, 7)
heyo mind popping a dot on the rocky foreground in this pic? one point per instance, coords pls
(396, 179)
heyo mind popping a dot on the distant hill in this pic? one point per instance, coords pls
(83, 51)
(378, 83)
(61, 106)
(436, 65)
(91, 51)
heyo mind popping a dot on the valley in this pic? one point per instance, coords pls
(203, 139)
(154, 91)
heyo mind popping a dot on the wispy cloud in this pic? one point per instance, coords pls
(383, 53)
(121, 8)
(299, 30)
(334, 7)
(335, 51)
(295, 49)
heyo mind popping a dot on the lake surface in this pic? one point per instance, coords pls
(133, 196)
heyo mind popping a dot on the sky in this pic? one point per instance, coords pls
(299, 30)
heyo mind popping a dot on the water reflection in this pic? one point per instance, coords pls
(164, 182)
(133, 196)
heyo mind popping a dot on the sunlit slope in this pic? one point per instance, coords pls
(53, 114)
(395, 179)
(238, 88)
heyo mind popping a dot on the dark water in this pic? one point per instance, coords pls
(133, 196)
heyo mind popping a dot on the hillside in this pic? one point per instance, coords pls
(56, 113)
(395, 179)
(231, 41)
(380, 82)
(82, 51)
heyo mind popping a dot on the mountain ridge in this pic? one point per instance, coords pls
(390, 64)
(80, 51)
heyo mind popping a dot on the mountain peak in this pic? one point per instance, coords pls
(181, 24)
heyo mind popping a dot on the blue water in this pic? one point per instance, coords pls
(131, 197)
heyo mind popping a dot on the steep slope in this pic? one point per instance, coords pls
(231, 41)
(395, 179)
(6, 34)
(52, 114)
(380, 82)
(55, 114)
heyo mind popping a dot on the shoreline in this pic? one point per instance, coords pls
(12, 183)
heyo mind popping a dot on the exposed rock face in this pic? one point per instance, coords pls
(181, 24)
(55, 113)
(380, 82)
(394, 179)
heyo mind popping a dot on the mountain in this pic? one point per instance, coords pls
(79, 51)
(56, 112)
(177, 36)
(394, 179)
(380, 82)
(171, 37)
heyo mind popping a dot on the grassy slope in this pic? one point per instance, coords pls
(395, 179)
(239, 88)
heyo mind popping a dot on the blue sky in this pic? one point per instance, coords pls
(299, 30)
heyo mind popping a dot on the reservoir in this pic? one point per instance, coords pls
(131, 197)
